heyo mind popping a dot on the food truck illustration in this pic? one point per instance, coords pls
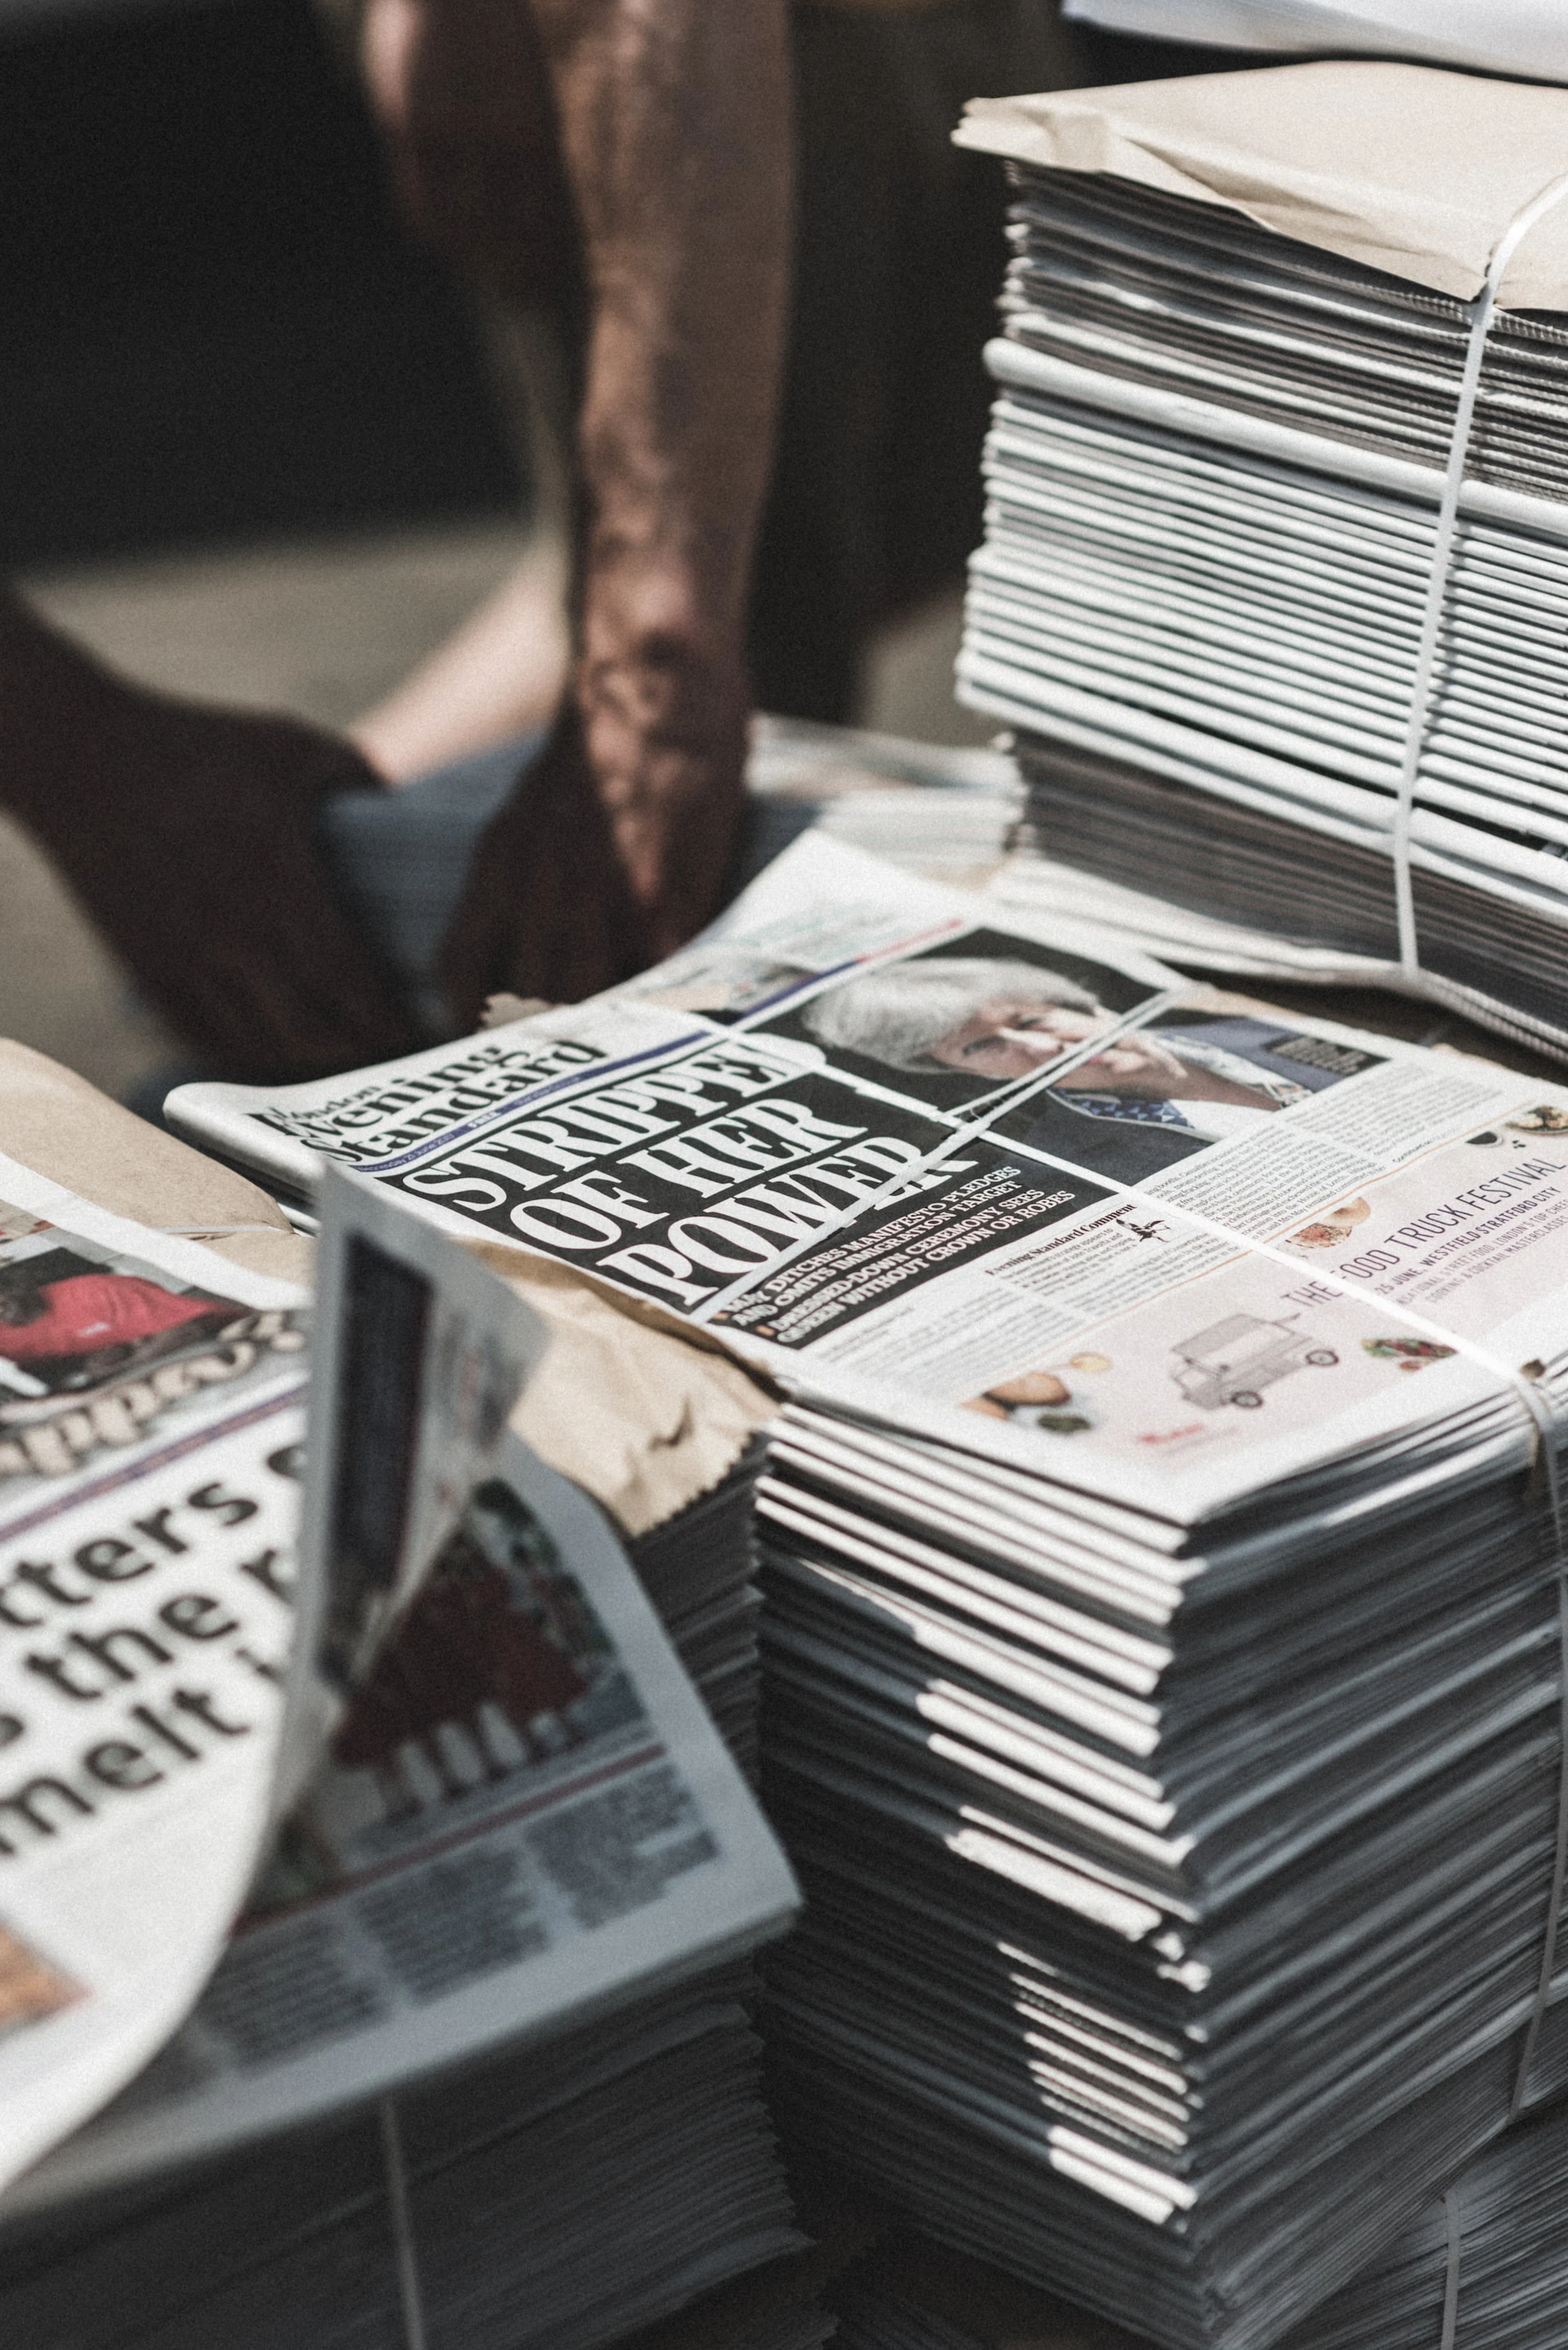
(1234, 1360)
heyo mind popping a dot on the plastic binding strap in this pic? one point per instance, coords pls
(1419, 725)
(1547, 1430)
(1454, 2232)
(405, 2258)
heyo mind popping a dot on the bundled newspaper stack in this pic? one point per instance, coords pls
(1488, 2260)
(1248, 664)
(699, 1569)
(1492, 2252)
(669, 1443)
(1164, 1635)
(476, 2068)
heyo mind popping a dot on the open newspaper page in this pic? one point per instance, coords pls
(151, 1414)
(1060, 1209)
(526, 1818)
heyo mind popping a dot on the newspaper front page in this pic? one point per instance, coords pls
(1059, 1207)
(418, 1355)
(175, 1646)
(151, 1412)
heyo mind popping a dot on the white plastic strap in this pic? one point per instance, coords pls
(404, 2256)
(1451, 2279)
(1419, 725)
(1548, 1458)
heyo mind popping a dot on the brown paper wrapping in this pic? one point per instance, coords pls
(56, 1123)
(642, 1414)
(1403, 167)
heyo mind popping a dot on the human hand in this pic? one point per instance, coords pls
(615, 845)
(187, 833)
(546, 911)
(666, 707)
(1138, 1067)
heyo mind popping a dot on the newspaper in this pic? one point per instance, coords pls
(174, 1649)
(522, 1813)
(151, 1411)
(1456, 157)
(990, 1183)
(525, 1819)
(1512, 37)
(1215, 471)
(420, 1356)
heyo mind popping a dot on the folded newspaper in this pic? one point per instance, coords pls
(1163, 1635)
(151, 1408)
(1510, 36)
(506, 1910)
(1232, 382)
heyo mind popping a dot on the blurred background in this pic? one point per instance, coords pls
(252, 449)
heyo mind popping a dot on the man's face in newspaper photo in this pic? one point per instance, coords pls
(989, 1018)
(1007, 1037)
(996, 1019)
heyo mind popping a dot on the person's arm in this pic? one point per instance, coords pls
(188, 833)
(674, 121)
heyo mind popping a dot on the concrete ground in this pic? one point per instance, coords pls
(322, 628)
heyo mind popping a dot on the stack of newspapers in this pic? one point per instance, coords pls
(1163, 1648)
(1493, 2249)
(699, 1569)
(1236, 323)
(477, 2068)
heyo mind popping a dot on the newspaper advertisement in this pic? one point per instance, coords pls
(151, 1412)
(1059, 1207)
(526, 1817)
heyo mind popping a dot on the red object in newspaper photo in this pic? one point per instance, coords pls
(88, 1312)
(505, 1632)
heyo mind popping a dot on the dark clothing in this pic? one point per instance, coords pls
(899, 253)
(1267, 1044)
(900, 248)
(1120, 1152)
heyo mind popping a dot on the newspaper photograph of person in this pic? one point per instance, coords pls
(1186, 1081)
(499, 1667)
(97, 1348)
(1149, 1097)
(955, 1024)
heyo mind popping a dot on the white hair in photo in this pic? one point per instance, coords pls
(897, 1014)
